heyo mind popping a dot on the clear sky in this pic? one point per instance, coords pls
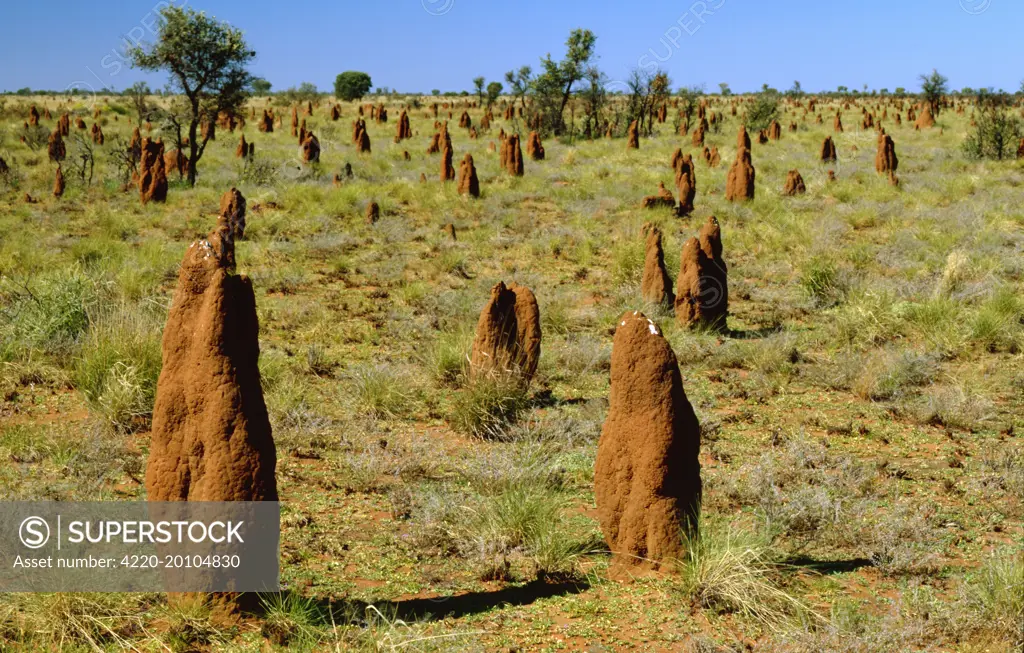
(419, 45)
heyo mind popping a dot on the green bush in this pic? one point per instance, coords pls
(48, 316)
(488, 406)
(118, 366)
(764, 110)
(996, 135)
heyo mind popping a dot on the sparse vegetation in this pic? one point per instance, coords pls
(861, 454)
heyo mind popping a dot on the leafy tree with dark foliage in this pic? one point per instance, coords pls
(352, 85)
(207, 60)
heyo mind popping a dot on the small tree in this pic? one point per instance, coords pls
(997, 132)
(933, 87)
(260, 86)
(553, 87)
(519, 82)
(689, 96)
(593, 100)
(478, 86)
(306, 92)
(352, 85)
(494, 90)
(796, 90)
(764, 110)
(435, 92)
(206, 59)
(724, 89)
(138, 92)
(647, 91)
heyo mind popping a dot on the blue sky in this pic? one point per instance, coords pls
(419, 45)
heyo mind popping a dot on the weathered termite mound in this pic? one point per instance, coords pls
(647, 475)
(447, 169)
(211, 437)
(663, 198)
(55, 148)
(794, 184)
(686, 184)
(310, 149)
(925, 119)
(885, 158)
(468, 182)
(232, 210)
(655, 285)
(508, 335)
(739, 183)
(58, 182)
(511, 156)
(828, 150)
(702, 288)
(403, 130)
(633, 136)
(534, 148)
(372, 212)
(152, 173)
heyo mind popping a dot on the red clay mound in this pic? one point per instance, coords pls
(242, 150)
(697, 139)
(97, 134)
(404, 129)
(828, 150)
(211, 438)
(702, 290)
(311, 149)
(58, 182)
(925, 120)
(837, 125)
(677, 156)
(266, 122)
(512, 156)
(508, 335)
(55, 148)
(534, 148)
(794, 184)
(468, 182)
(295, 122)
(663, 198)
(362, 138)
(743, 138)
(647, 474)
(686, 185)
(739, 184)
(33, 116)
(633, 136)
(435, 144)
(232, 210)
(175, 160)
(655, 285)
(447, 169)
(885, 157)
(152, 174)
(774, 130)
(372, 213)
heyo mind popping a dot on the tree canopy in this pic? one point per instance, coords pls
(206, 60)
(352, 85)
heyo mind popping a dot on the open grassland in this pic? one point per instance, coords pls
(861, 448)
